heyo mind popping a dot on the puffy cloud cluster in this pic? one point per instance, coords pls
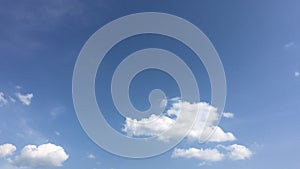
(42, 156)
(205, 129)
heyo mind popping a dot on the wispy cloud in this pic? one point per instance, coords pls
(25, 98)
(56, 111)
(91, 156)
(296, 73)
(232, 152)
(288, 45)
(3, 100)
(228, 115)
(57, 133)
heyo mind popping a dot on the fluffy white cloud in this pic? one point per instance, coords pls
(6, 150)
(200, 154)
(25, 99)
(228, 115)
(3, 100)
(238, 152)
(43, 156)
(204, 129)
(152, 126)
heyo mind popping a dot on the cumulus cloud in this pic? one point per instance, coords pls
(25, 99)
(238, 152)
(228, 115)
(6, 150)
(43, 156)
(200, 154)
(152, 126)
(204, 128)
(3, 100)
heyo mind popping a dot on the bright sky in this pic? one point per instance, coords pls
(258, 43)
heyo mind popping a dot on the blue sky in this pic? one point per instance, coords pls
(258, 44)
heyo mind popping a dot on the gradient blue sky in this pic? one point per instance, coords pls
(258, 43)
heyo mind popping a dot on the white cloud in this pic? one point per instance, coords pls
(288, 45)
(152, 126)
(25, 99)
(238, 152)
(6, 150)
(43, 156)
(200, 154)
(228, 115)
(3, 100)
(91, 156)
(155, 125)
(232, 152)
(296, 74)
(215, 134)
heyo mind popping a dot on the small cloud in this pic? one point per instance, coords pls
(42, 156)
(175, 99)
(288, 45)
(25, 99)
(3, 100)
(238, 152)
(228, 115)
(233, 152)
(7, 150)
(200, 154)
(91, 156)
(296, 73)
